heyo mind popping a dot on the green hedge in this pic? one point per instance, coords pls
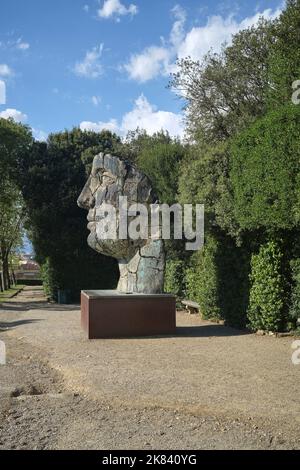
(202, 280)
(217, 279)
(88, 270)
(266, 304)
(294, 310)
(174, 277)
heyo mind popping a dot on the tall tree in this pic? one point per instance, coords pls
(265, 172)
(15, 143)
(225, 92)
(159, 156)
(11, 225)
(284, 61)
(51, 179)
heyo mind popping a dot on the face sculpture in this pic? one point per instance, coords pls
(141, 262)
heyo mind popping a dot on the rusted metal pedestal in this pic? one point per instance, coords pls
(111, 314)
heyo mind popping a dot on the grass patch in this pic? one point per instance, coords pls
(9, 293)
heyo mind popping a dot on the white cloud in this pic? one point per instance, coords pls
(86, 8)
(160, 60)
(96, 100)
(143, 115)
(23, 46)
(177, 33)
(114, 8)
(39, 135)
(90, 67)
(147, 65)
(15, 44)
(5, 70)
(199, 40)
(111, 125)
(16, 115)
(157, 60)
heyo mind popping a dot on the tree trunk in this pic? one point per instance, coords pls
(13, 277)
(6, 273)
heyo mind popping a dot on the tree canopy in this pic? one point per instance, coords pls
(265, 171)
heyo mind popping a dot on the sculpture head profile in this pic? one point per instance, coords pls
(141, 261)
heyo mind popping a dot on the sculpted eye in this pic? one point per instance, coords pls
(108, 179)
(97, 173)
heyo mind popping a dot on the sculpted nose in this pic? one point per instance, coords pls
(86, 199)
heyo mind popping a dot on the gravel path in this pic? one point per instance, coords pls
(208, 387)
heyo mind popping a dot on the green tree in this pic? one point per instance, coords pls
(204, 179)
(51, 179)
(265, 172)
(225, 92)
(94, 143)
(11, 225)
(158, 156)
(15, 142)
(284, 60)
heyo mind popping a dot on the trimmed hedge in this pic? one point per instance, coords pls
(294, 310)
(266, 304)
(174, 277)
(202, 280)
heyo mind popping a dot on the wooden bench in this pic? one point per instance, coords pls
(191, 306)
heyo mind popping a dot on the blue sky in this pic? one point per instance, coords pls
(105, 64)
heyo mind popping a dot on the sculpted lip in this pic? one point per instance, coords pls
(90, 219)
(91, 225)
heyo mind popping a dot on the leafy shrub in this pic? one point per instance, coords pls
(266, 305)
(48, 278)
(217, 279)
(202, 280)
(265, 172)
(159, 157)
(233, 273)
(174, 277)
(294, 311)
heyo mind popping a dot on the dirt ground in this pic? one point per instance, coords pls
(207, 387)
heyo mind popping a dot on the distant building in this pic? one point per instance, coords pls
(29, 265)
(27, 269)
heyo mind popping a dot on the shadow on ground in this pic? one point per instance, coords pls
(201, 331)
(208, 330)
(37, 305)
(14, 324)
